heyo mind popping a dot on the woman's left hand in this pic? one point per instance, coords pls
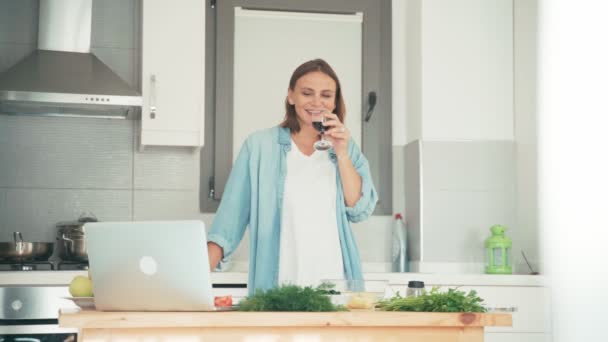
(337, 133)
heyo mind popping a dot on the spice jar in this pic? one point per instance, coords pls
(415, 288)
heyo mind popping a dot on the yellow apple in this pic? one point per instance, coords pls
(81, 286)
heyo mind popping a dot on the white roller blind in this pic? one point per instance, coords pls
(269, 45)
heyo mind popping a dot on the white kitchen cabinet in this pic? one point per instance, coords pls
(531, 312)
(173, 73)
(516, 337)
(460, 70)
(530, 305)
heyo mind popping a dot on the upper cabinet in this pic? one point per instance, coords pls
(460, 70)
(173, 73)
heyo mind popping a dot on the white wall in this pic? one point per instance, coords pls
(413, 71)
(573, 166)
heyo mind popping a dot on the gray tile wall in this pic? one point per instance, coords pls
(462, 188)
(115, 37)
(412, 188)
(18, 30)
(52, 169)
(19, 22)
(65, 153)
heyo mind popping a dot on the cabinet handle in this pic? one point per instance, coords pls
(152, 96)
(371, 104)
(503, 309)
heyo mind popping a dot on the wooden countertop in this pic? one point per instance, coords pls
(87, 319)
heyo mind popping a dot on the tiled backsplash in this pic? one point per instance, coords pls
(455, 191)
(53, 169)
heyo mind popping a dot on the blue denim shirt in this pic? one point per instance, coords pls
(254, 194)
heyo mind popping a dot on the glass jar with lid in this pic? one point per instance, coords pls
(415, 288)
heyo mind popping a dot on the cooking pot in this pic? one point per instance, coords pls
(19, 251)
(70, 236)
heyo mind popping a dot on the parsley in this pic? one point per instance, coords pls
(435, 301)
(291, 298)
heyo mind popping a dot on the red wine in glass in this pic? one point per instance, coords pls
(321, 145)
(319, 126)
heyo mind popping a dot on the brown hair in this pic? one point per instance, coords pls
(291, 119)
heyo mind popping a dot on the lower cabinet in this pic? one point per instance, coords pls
(517, 337)
(529, 306)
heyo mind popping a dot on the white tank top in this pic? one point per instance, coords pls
(310, 244)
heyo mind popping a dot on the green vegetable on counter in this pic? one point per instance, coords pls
(292, 298)
(435, 301)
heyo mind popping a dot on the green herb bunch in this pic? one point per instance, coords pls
(435, 301)
(291, 298)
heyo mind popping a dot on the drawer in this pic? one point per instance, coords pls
(517, 337)
(530, 305)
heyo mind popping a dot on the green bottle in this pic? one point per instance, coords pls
(498, 251)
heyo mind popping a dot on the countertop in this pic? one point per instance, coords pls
(444, 279)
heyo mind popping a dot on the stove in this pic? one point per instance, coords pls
(30, 313)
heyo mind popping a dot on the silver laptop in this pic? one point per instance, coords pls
(149, 266)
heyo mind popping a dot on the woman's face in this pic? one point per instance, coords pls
(312, 93)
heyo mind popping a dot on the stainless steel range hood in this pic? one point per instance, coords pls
(62, 77)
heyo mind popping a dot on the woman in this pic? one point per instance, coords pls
(298, 202)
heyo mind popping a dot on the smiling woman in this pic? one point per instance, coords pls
(297, 201)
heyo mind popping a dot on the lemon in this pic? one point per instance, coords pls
(81, 286)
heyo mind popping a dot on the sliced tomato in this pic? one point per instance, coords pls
(223, 301)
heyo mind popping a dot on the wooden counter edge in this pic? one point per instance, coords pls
(99, 319)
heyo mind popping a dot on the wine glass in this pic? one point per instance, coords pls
(317, 122)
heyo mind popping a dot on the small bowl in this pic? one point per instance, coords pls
(86, 303)
(358, 294)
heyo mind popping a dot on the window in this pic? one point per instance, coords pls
(375, 88)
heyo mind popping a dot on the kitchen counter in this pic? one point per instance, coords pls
(65, 277)
(38, 277)
(447, 279)
(460, 279)
(280, 326)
